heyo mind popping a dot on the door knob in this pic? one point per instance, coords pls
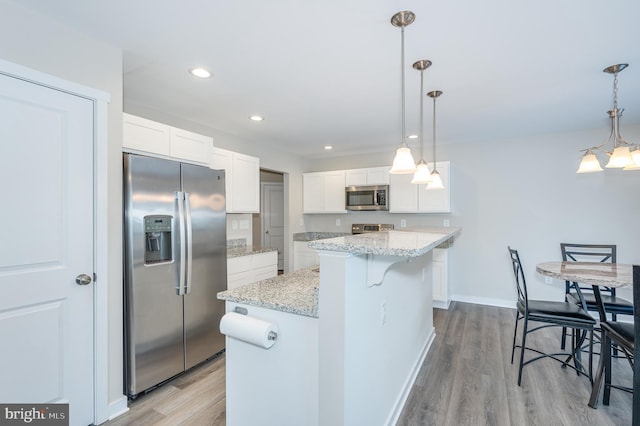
(83, 279)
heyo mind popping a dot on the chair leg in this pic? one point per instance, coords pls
(597, 383)
(515, 330)
(605, 350)
(564, 338)
(614, 317)
(524, 341)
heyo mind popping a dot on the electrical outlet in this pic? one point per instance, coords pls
(338, 222)
(403, 223)
(548, 280)
(446, 223)
(383, 313)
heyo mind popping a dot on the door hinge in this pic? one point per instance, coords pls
(95, 277)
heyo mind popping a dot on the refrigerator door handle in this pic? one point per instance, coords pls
(189, 246)
(181, 268)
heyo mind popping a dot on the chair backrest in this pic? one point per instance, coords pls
(521, 283)
(603, 253)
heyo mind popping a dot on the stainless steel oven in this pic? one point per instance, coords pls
(361, 198)
(361, 228)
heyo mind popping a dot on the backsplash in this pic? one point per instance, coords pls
(239, 226)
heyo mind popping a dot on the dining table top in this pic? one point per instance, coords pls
(592, 273)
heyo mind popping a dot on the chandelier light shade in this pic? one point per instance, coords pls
(403, 163)
(623, 155)
(436, 180)
(422, 174)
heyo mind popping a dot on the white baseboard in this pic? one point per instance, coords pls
(501, 303)
(441, 304)
(118, 407)
(408, 384)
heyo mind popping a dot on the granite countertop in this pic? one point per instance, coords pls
(388, 243)
(312, 236)
(295, 292)
(238, 247)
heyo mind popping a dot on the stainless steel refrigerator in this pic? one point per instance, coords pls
(175, 264)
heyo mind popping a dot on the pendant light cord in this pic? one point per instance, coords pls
(434, 133)
(404, 140)
(421, 116)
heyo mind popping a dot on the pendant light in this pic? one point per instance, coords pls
(403, 162)
(621, 156)
(422, 174)
(436, 180)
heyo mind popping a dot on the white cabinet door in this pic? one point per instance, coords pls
(140, 134)
(405, 197)
(246, 183)
(323, 192)
(242, 180)
(334, 192)
(440, 278)
(190, 146)
(146, 136)
(243, 270)
(312, 193)
(378, 176)
(368, 176)
(355, 177)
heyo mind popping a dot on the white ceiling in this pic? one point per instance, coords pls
(328, 72)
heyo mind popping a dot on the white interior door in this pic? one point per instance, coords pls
(46, 318)
(272, 213)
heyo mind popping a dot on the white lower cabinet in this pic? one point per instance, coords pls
(243, 270)
(303, 255)
(441, 298)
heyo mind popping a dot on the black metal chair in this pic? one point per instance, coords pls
(615, 336)
(551, 314)
(604, 253)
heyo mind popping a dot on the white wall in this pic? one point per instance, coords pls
(39, 43)
(520, 192)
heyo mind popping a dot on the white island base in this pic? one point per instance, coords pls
(374, 333)
(356, 362)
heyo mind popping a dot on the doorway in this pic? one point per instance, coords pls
(269, 224)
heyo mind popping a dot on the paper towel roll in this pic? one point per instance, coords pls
(248, 329)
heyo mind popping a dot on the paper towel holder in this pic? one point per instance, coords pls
(240, 310)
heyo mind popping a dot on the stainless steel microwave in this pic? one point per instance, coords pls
(361, 198)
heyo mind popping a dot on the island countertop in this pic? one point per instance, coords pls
(389, 243)
(295, 292)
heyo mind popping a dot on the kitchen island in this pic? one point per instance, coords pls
(355, 361)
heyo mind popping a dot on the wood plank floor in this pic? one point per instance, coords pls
(467, 379)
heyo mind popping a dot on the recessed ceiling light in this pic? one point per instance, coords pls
(256, 118)
(328, 147)
(200, 72)
(412, 137)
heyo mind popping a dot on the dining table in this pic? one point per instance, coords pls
(599, 275)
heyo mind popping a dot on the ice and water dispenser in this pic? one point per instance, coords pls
(157, 231)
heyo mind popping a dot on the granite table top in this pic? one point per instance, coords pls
(295, 292)
(593, 273)
(388, 243)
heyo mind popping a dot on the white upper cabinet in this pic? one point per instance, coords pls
(405, 197)
(323, 192)
(242, 180)
(161, 140)
(369, 176)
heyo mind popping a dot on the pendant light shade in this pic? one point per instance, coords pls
(422, 175)
(403, 163)
(436, 180)
(622, 156)
(589, 163)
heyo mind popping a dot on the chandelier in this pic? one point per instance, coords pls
(624, 155)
